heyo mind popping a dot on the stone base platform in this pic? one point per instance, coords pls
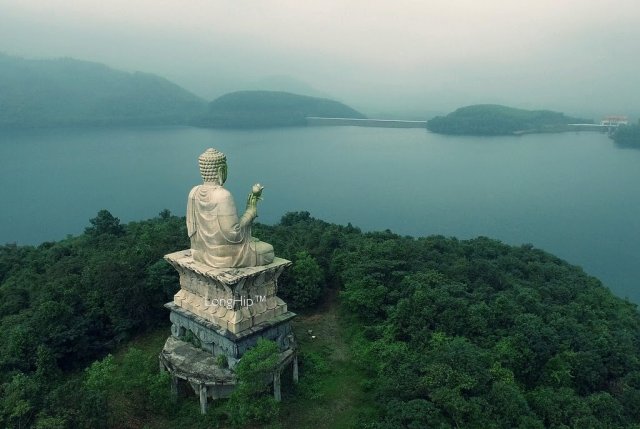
(219, 341)
(198, 368)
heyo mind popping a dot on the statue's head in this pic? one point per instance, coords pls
(213, 166)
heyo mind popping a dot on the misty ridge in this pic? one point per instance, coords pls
(70, 92)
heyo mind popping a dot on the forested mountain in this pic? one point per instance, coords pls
(448, 333)
(494, 119)
(263, 109)
(68, 92)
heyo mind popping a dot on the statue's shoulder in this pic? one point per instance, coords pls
(193, 191)
(222, 195)
(210, 193)
(219, 190)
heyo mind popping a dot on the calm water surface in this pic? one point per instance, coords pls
(574, 194)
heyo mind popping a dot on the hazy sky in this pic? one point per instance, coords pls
(581, 57)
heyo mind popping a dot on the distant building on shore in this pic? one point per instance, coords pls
(614, 121)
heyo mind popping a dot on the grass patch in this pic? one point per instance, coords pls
(330, 393)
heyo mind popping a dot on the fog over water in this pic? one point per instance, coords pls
(407, 58)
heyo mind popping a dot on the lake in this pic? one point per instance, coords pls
(572, 194)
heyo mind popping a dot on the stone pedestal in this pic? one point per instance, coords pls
(234, 299)
(224, 312)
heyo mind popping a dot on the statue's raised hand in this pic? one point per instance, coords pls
(254, 196)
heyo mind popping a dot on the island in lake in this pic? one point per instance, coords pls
(264, 109)
(495, 120)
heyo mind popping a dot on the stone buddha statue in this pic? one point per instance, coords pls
(218, 237)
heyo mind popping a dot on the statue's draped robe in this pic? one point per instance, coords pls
(218, 237)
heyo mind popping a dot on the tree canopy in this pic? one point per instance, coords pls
(450, 333)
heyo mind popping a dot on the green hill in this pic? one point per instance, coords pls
(431, 332)
(68, 92)
(494, 119)
(265, 109)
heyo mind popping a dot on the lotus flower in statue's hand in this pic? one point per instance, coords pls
(257, 189)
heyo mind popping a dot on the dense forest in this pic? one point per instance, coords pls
(493, 120)
(627, 135)
(447, 332)
(68, 92)
(263, 109)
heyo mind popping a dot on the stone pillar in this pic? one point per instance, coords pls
(174, 388)
(295, 368)
(276, 385)
(203, 399)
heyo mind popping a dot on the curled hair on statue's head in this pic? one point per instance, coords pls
(213, 166)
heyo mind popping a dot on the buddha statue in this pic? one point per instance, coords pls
(218, 237)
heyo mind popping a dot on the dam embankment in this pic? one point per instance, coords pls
(382, 123)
